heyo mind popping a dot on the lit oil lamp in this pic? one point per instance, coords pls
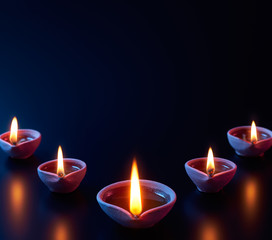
(19, 143)
(210, 174)
(250, 141)
(136, 203)
(62, 175)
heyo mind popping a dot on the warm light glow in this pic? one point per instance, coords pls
(13, 131)
(209, 231)
(18, 204)
(61, 231)
(252, 196)
(60, 170)
(210, 163)
(253, 132)
(135, 191)
(17, 197)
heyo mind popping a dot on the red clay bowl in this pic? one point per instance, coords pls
(246, 148)
(21, 150)
(75, 171)
(224, 172)
(151, 191)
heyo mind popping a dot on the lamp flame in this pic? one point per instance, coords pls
(210, 169)
(13, 131)
(253, 132)
(60, 170)
(135, 191)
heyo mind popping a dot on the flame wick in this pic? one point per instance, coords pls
(60, 170)
(135, 192)
(60, 174)
(13, 131)
(210, 169)
(210, 172)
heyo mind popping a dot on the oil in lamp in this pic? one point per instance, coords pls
(250, 141)
(210, 174)
(136, 203)
(19, 143)
(62, 175)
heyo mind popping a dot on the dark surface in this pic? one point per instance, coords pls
(159, 81)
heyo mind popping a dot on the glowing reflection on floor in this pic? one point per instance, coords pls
(209, 230)
(251, 196)
(17, 204)
(60, 228)
(61, 231)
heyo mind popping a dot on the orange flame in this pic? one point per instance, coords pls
(210, 169)
(253, 132)
(13, 131)
(60, 170)
(135, 191)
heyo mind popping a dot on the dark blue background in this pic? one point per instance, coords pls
(161, 81)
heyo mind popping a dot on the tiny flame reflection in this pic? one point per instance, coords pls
(135, 191)
(60, 170)
(210, 169)
(253, 132)
(13, 131)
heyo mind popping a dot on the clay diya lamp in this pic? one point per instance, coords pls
(136, 203)
(20, 143)
(62, 175)
(210, 174)
(250, 141)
